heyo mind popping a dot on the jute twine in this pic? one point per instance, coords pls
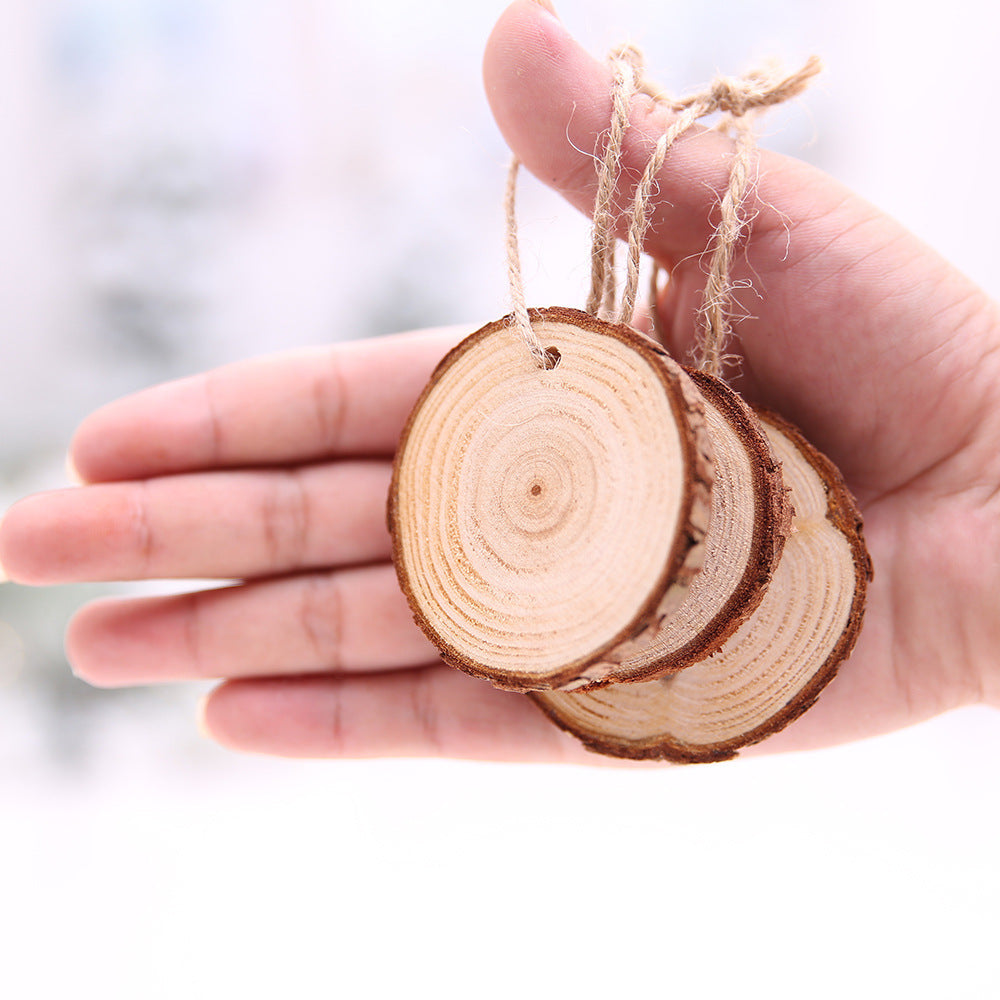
(739, 101)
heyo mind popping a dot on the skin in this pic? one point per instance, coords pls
(273, 471)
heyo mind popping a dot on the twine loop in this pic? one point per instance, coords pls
(760, 88)
(738, 100)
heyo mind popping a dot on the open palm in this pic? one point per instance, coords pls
(273, 472)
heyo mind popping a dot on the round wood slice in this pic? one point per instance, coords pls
(751, 517)
(776, 664)
(545, 521)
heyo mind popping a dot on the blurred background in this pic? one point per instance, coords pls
(188, 182)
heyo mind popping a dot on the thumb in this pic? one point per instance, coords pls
(552, 101)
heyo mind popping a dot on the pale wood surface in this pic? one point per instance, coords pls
(546, 521)
(779, 660)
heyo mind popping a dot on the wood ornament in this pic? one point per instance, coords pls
(751, 518)
(779, 661)
(546, 520)
(668, 574)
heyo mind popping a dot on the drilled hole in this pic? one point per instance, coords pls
(552, 358)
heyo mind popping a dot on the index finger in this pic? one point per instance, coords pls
(345, 399)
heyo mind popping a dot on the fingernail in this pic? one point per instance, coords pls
(547, 4)
(201, 711)
(71, 472)
(4, 578)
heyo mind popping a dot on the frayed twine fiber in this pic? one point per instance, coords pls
(739, 100)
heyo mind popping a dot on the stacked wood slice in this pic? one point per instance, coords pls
(668, 574)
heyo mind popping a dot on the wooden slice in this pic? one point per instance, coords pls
(751, 517)
(546, 521)
(776, 664)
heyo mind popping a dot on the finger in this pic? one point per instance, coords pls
(349, 399)
(212, 525)
(552, 101)
(349, 621)
(432, 712)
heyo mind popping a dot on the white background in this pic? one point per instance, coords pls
(330, 170)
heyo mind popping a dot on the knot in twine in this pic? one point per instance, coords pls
(739, 100)
(736, 95)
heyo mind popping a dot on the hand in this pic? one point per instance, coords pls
(273, 472)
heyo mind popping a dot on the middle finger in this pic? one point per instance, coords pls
(350, 621)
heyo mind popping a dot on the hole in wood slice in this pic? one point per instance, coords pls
(751, 517)
(779, 660)
(544, 519)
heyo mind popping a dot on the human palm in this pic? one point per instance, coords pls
(272, 473)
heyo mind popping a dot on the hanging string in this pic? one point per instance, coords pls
(639, 221)
(515, 280)
(626, 63)
(737, 99)
(716, 301)
(638, 224)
